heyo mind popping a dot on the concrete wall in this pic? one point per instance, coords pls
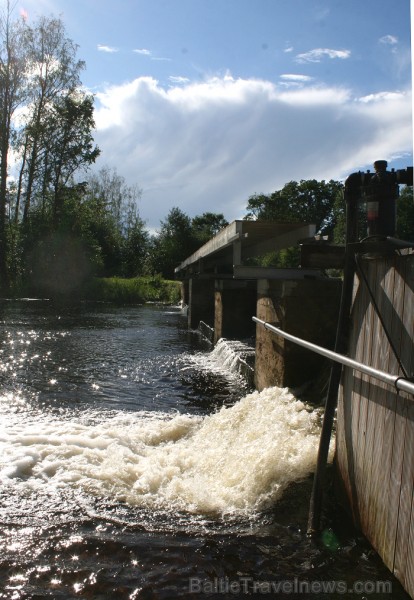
(200, 302)
(234, 307)
(305, 308)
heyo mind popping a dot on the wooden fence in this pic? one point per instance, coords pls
(375, 422)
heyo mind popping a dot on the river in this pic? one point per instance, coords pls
(136, 464)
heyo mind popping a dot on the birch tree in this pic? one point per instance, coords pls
(12, 94)
(52, 71)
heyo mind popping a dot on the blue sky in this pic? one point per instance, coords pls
(203, 103)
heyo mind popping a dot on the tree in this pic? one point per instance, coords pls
(309, 201)
(51, 134)
(174, 243)
(135, 248)
(70, 144)
(12, 93)
(112, 220)
(179, 237)
(52, 73)
(207, 226)
(405, 214)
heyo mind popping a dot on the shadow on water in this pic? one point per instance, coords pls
(113, 552)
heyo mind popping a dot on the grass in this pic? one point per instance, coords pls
(137, 290)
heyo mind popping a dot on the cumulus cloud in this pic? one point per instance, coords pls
(317, 54)
(208, 146)
(109, 49)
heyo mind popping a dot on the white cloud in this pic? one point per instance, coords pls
(143, 51)
(317, 54)
(178, 80)
(109, 49)
(293, 80)
(208, 146)
(296, 77)
(380, 96)
(389, 40)
(146, 52)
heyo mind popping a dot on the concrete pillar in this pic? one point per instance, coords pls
(185, 292)
(305, 308)
(235, 305)
(200, 302)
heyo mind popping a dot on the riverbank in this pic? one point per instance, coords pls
(118, 290)
(137, 290)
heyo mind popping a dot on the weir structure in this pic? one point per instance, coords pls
(374, 405)
(223, 288)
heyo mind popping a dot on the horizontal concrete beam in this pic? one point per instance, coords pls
(242, 272)
(224, 238)
(247, 239)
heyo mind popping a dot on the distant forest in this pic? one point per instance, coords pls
(58, 216)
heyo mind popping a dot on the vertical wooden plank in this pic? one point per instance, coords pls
(408, 351)
(375, 450)
(364, 351)
(377, 428)
(394, 484)
(343, 442)
(396, 468)
(352, 386)
(383, 541)
(373, 272)
(403, 566)
(346, 418)
(406, 488)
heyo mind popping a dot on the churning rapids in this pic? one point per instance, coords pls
(135, 463)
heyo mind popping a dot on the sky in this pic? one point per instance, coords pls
(203, 103)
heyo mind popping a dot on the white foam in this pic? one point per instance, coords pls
(225, 358)
(238, 459)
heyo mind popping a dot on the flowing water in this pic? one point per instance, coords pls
(135, 463)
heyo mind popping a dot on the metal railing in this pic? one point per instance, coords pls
(400, 383)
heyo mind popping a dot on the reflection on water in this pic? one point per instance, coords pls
(132, 464)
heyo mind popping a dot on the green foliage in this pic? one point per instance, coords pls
(283, 259)
(106, 229)
(132, 291)
(58, 265)
(51, 140)
(113, 221)
(179, 237)
(173, 244)
(309, 201)
(405, 214)
(207, 226)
